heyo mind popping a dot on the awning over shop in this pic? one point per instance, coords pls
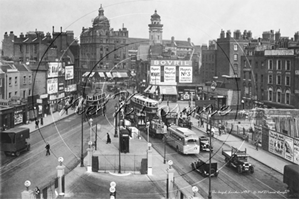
(168, 90)
(123, 74)
(92, 74)
(108, 74)
(101, 74)
(147, 89)
(85, 74)
(115, 74)
(153, 89)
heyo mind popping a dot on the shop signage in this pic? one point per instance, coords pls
(284, 146)
(39, 101)
(52, 97)
(171, 63)
(52, 86)
(154, 74)
(69, 72)
(55, 69)
(43, 96)
(169, 74)
(185, 74)
(18, 117)
(279, 52)
(71, 88)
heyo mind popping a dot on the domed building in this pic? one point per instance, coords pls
(103, 50)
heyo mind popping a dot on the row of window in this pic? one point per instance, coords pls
(279, 64)
(29, 48)
(16, 80)
(16, 93)
(279, 80)
(280, 97)
(89, 40)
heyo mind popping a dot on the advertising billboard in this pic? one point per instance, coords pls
(55, 69)
(154, 74)
(276, 142)
(69, 72)
(296, 151)
(185, 74)
(52, 86)
(169, 74)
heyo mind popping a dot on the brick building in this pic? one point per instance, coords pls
(103, 50)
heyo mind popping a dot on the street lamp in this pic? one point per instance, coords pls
(116, 122)
(148, 126)
(91, 128)
(209, 179)
(242, 103)
(195, 190)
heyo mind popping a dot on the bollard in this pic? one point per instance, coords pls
(170, 179)
(60, 175)
(149, 158)
(90, 153)
(27, 194)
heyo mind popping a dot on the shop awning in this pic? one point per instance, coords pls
(123, 74)
(147, 89)
(101, 74)
(85, 74)
(108, 74)
(153, 89)
(92, 74)
(115, 74)
(168, 90)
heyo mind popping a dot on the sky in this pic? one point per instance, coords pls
(199, 20)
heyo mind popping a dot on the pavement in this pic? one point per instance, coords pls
(131, 184)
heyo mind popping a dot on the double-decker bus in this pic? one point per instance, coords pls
(144, 108)
(183, 140)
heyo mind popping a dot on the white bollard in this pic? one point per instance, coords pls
(149, 160)
(60, 173)
(27, 194)
(89, 157)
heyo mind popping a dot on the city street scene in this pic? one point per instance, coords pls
(162, 99)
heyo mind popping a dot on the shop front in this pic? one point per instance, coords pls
(6, 117)
(20, 115)
(186, 93)
(168, 93)
(32, 105)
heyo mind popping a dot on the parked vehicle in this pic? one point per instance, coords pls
(185, 122)
(204, 144)
(14, 141)
(238, 160)
(291, 178)
(157, 128)
(202, 167)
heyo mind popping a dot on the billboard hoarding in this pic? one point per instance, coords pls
(55, 69)
(52, 86)
(69, 72)
(154, 74)
(296, 151)
(169, 74)
(185, 74)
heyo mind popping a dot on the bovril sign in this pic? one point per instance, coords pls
(170, 70)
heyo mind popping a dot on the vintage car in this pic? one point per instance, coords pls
(204, 144)
(202, 167)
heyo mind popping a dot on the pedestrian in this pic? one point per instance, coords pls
(37, 123)
(201, 120)
(199, 123)
(256, 145)
(47, 149)
(108, 141)
(42, 121)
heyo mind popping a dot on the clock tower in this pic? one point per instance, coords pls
(155, 29)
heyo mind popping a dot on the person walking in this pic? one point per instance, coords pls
(42, 121)
(108, 141)
(37, 123)
(256, 145)
(47, 149)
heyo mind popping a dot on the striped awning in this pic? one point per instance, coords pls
(85, 74)
(153, 89)
(108, 74)
(101, 74)
(147, 89)
(123, 74)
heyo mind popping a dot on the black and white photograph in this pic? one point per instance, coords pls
(156, 99)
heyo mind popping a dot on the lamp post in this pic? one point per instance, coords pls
(148, 126)
(195, 190)
(91, 128)
(243, 103)
(116, 121)
(81, 158)
(210, 134)
(165, 152)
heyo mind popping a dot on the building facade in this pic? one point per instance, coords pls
(103, 50)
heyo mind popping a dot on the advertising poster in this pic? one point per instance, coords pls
(169, 74)
(69, 72)
(18, 117)
(154, 74)
(296, 151)
(288, 148)
(55, 69)
(276, 143)
(52, 86)
(185, 74)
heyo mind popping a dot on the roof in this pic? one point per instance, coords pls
(5, 67)
(21, 67)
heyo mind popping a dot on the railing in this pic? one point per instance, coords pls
(110, 163)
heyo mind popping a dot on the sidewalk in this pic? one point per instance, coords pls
(49, 119)
(261, 155)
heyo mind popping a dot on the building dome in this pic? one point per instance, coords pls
(100, 20)
(155, 15)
